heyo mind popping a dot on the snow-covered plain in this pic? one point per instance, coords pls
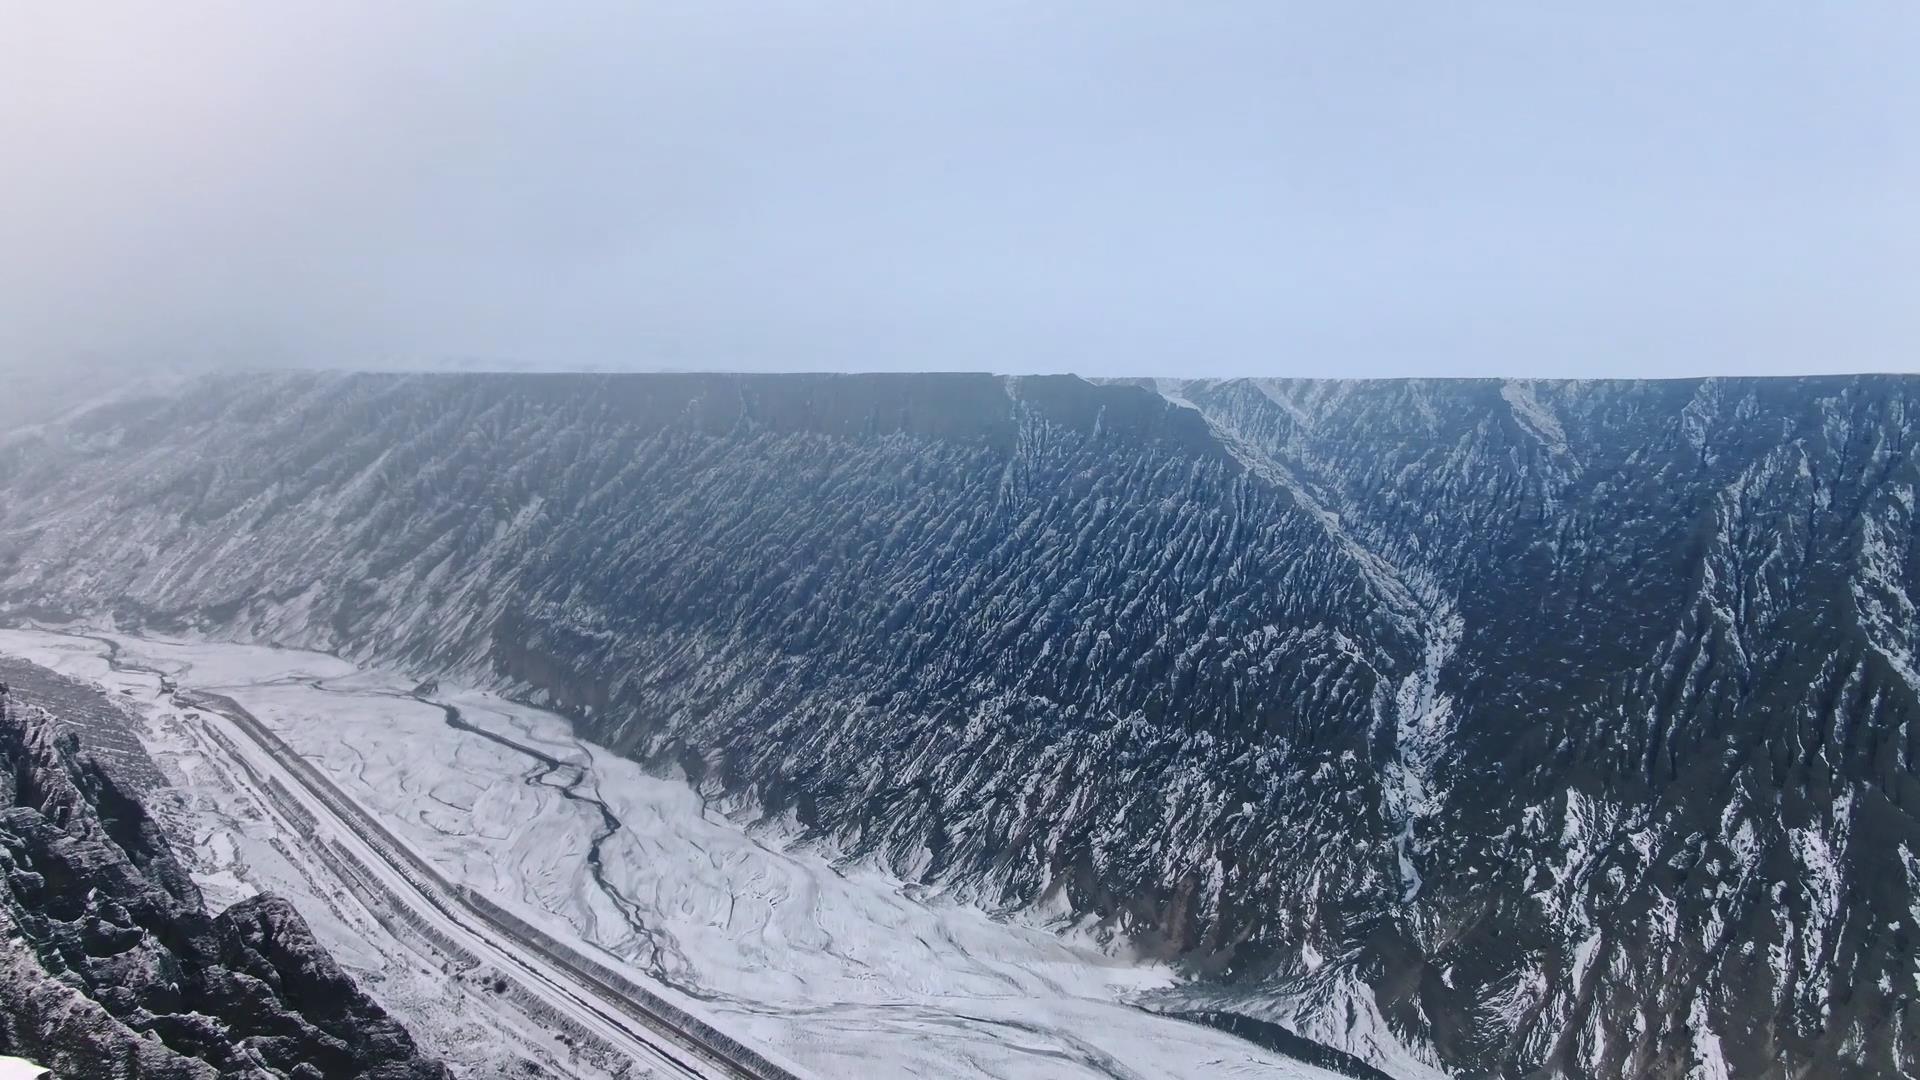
(235, 845)
(839, 968)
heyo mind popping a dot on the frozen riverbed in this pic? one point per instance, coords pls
(845, 971)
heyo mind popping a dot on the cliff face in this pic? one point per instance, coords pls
(1568, 726)
(112, 968)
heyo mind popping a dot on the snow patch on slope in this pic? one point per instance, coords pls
(1533, 416)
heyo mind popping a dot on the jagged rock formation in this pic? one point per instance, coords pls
(110, 966)
(1561, 728)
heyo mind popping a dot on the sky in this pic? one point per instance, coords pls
(1342, 188)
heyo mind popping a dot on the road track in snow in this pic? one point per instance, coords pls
(678, 1045)
(657, 1033)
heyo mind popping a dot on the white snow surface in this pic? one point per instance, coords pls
(235, 846)
(836, 967)
(13, 1068)
(1710, 1061)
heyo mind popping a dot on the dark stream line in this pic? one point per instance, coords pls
(609, 823)
(657, 943)
(546, 765)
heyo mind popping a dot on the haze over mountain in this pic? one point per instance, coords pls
(1429, 590)
(1241, 189)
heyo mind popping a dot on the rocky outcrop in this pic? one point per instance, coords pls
(1551, 728)
(110, 967)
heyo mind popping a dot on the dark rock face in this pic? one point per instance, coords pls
(111, 966)
(1571, 727)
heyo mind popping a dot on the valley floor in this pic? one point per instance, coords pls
(838, 970)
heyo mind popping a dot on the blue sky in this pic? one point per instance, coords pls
(1117, 188)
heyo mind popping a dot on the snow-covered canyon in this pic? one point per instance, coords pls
(1499, 726)
(837, 967)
